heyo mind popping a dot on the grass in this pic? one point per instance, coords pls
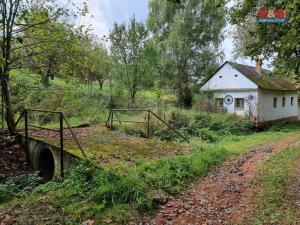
(117, 195)
(239, 144)
(130, 168)
(275, 179)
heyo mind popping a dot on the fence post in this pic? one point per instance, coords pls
(61, 129)
(148, 124)
(26, 134)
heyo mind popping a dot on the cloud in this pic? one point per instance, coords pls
(104, 13)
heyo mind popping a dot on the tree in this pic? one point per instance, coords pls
(189, 35)
(128, 47)
(58, 38)
(280, 41)
(15, 22)
(99, 64)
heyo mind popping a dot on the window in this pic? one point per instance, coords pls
(236, 75)
(275, 102)
(283, 102)
(292, 101)
(220, 76)
(239, 103)
(219, 102)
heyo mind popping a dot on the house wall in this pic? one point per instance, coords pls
(266, 111)
(226, 79)
(250, 106)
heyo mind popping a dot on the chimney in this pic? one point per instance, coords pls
(258, 66)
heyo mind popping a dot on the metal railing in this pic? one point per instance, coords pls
(113, 112)
(60, 130)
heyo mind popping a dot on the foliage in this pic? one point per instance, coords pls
(19, 186)
(16, 17)
(208, 126)
(128, 44)
(54, 43)
(188, 35)
(275, 179)
(268, 40)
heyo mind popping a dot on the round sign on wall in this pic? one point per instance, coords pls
(228, 99)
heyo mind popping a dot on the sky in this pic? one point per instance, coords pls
(104, 13)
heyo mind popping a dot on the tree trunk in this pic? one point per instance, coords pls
(184, 94)
(101, 82)
(45, 80)
(9, 115)
(132, 94)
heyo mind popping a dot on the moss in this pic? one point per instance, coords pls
(111, 148)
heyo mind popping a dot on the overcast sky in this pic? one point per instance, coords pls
(103, 14)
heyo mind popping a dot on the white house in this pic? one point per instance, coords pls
(252, 91)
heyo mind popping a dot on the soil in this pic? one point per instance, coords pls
(12, 158)
(222, 197)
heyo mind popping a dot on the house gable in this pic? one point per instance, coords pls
(228, 78)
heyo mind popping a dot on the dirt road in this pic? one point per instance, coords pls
(224, 196)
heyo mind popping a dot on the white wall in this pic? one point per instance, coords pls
(225, 79)
(266, 110)
(248, 104)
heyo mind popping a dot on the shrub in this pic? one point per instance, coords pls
(207, 135)
(19, 186)
(178, 120)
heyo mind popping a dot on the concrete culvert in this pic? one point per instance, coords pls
(45, 164)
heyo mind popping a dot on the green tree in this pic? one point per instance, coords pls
(189, 34)
(14, 23)
(128, 44)
(55, 42)
(280, 41)
(99, 64)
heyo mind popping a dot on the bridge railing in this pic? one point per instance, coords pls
(61, 119)
(113, 114)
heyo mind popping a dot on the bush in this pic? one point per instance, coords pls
(178, 120)
(19, 186)
(207, 126)
(207, 135)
